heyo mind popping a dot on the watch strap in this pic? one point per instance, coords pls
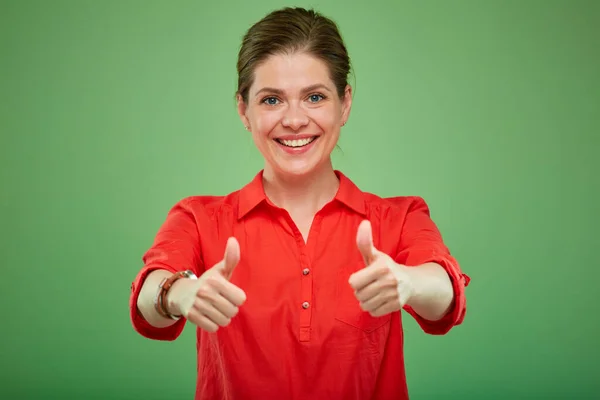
(160, 302)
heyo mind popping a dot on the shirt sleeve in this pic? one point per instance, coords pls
(420, 243)
(176, 247)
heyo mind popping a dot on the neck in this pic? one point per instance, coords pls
(306, 194)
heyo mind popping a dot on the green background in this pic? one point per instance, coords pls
(112, 111)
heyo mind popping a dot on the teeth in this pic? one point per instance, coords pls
(296, 142)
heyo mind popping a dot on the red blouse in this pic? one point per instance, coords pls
(301, 333)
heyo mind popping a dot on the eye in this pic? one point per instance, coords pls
(315, 98)
(271, 101)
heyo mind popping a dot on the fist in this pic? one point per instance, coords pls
(383, 286)
(212, 300)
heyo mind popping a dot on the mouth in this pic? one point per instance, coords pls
(296, 143)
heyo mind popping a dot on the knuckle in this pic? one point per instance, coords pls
(190, 316)
(210, 281)
(392, 295)
(206, 293)
(213, 282)
(198, 320)
(382, 269)
(201, 306)
(390, 281)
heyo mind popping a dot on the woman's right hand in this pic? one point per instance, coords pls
(210, 301)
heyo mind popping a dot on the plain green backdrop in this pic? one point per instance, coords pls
(112, 111)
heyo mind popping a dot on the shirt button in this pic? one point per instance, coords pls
(306, 271)
(305, 305)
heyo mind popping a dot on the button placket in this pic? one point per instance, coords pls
(305, 298)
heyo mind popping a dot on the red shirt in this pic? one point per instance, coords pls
(301, 333)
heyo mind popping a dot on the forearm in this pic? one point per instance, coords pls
(145, 301)
(433, 293)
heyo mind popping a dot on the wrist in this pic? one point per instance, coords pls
(172, 303)
(431, 287)
(415, 283)
(166, 304)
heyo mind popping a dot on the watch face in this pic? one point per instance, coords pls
(189, 274)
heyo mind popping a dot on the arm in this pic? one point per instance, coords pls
(433, 294)
(145, 300)
(176, 247)
(439, 301)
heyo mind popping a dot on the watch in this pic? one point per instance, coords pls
(160, 302)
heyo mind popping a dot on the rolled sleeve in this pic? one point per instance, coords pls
(140, 325)
(421, 243)
(176, 248)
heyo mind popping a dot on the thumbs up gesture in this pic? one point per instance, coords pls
(212, 300)
(383, 286)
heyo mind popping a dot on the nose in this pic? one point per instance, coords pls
(295, 117)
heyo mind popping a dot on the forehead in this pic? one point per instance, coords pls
(291, 72)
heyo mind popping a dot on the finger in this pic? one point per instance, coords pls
(364, 241)
(371, 290)
(368, 275)
(386, 308)
(225, 306)
(231, 258)
(205, 307)
(229, 291)
(202, 321)
(373, 303)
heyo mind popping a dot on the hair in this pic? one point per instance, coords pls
(290, 30)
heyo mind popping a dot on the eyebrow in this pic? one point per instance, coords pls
(306, 89)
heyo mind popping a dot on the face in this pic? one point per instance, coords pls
(294, 113)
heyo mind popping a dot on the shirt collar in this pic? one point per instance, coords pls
(253, 194)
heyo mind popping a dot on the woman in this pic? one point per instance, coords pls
(296, 281)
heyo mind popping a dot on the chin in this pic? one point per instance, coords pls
(298, 168)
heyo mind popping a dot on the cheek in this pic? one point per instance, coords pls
(264, 122)
(326, 118)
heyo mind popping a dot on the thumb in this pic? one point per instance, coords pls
(364, 241)
(231, 258)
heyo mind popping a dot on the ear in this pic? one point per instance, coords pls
(346, 104)
(241, 109)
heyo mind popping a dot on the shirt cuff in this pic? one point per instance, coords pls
(142, 326)
(456, 313)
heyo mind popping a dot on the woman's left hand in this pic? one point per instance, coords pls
(383, 286)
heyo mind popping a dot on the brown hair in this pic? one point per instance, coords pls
(290, 30)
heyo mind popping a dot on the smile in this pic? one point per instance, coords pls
(297, 142)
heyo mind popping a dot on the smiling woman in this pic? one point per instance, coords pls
(296, 282)
(295, 114)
